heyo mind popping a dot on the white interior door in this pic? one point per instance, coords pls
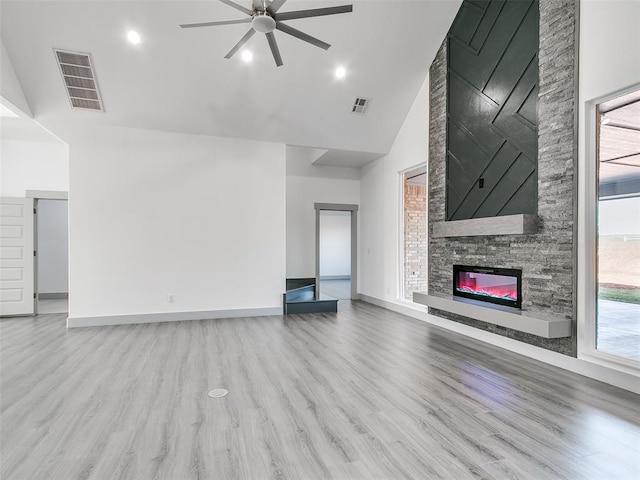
(16, 256)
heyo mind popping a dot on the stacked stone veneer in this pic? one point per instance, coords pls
(547, 259)
(415, 239)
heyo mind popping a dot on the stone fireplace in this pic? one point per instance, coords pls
(542, 244)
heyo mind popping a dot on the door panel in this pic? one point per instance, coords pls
(16, 256)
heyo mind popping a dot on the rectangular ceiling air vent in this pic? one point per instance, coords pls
(79, 80)
(360, 105)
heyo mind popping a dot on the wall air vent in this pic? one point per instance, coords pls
(360, 105)
(79, 80)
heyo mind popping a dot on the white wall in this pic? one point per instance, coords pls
(33, 166)
(10, 88)
(335, 243)
(155, 213)
(53, 247)
(308, 184)
(302, 193)
(381, 194)
(609, 53)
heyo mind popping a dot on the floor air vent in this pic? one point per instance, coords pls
(79, 80)
(360, 105)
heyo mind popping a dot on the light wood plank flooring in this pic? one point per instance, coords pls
(340, 289)
(364, 394)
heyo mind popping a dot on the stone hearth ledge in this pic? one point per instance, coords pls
(521, 320)
(521, 224)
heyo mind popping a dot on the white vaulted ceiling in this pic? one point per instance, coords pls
(178, 79)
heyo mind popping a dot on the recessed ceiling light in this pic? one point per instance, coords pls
(605, 120)
(133, 37)
(247, 56)
(340, 72)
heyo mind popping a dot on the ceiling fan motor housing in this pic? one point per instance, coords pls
(263, 22)
(266, 18)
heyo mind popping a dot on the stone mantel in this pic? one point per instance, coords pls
(522, 320)
(522, 224)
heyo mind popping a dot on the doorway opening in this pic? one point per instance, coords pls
(336, 251)
(414, 232)
(335, 254)
(52, 256)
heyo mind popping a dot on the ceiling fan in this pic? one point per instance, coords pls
(264, 18)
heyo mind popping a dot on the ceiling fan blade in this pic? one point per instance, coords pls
(315, 12)
(237, 7)
(302, 36)
(271, 38)
(213, 24)
(274, 6)
(239, 45)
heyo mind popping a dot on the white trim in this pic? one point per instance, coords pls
(47, 195)
(401, 280)
(74, 322)
(621, 379)
(42, 195)
(587, 211)
(340, 207)
(587, 246)
(400, 276)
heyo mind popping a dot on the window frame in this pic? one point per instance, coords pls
(587, 289)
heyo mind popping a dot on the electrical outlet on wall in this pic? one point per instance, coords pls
(170, 298)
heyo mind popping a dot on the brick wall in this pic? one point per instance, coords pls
(546, 258)
(415, 239)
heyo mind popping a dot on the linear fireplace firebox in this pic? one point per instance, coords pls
(502, 286)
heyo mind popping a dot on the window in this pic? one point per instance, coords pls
(618, 227)
(609, 286)
(414, 232)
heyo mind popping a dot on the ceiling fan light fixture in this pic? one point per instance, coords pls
(262, 22)
(247, 56)
(133, 37)
(267, 18)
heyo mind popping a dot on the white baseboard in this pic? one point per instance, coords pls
(53, 296)
(622, 379)
(98, 321)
